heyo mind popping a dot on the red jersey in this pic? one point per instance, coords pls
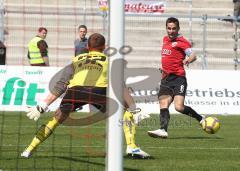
(173, 54)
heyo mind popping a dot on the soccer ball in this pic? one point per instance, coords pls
(210, 125)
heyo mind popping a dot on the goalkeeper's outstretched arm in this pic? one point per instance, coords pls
(36, 111)
(59, 86)
(138, 113)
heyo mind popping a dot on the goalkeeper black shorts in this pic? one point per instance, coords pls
(78, 96)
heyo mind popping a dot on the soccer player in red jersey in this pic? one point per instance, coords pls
(176, 52)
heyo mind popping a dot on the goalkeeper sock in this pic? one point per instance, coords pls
(192, 113)
(42, 134)
(129, 129)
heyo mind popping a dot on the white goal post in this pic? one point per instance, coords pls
(114, 129)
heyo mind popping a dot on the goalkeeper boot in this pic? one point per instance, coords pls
(159, 133)
(137, 153)
(26, 154)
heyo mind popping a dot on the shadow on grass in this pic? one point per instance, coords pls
(75, 159)
(134, 158)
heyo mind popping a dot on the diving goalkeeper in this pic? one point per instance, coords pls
(85, 82)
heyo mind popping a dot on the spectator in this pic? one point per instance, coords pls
(236, 19)
(80, 44)
(38, 49)
(236, 8)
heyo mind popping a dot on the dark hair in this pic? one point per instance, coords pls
(96, 41)
(82, 26)
(40, 29)
(173, 20)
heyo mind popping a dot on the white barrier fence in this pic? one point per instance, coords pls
(209, 91)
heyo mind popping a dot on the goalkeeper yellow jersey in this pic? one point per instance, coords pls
(90, 69)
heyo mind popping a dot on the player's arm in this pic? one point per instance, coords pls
(58, 89)
(60, 81)
(36, 111)
(191, 56)
(59, 85)
(137, 113)
(42, 45)
(46, 61)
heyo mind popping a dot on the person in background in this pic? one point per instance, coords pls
(80, 44)
(38, 49)
(236, 14)
(236, 8)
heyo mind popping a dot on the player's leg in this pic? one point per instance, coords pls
(164, 101)
(165, 96)
(129, 126)
(129, 129)
(44, 132)
(180, 92)
(187, 110)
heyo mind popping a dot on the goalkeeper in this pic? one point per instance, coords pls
(85, 81)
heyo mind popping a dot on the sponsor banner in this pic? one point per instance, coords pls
(145, 6)
(209, 91)
(214, 91)
(138, 6)
(23, 86)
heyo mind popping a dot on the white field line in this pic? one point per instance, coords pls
(102, 127)
(148, 147)
(197, 148)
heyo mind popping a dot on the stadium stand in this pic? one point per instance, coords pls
(143, 33)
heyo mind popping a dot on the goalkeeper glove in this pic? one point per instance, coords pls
(36, 111)
(139, 115)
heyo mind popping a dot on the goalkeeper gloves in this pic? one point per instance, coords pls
(36, 111)
(139, 115)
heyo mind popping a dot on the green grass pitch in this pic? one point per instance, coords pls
(73, 148)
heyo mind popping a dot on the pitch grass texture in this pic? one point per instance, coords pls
(74, 148)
